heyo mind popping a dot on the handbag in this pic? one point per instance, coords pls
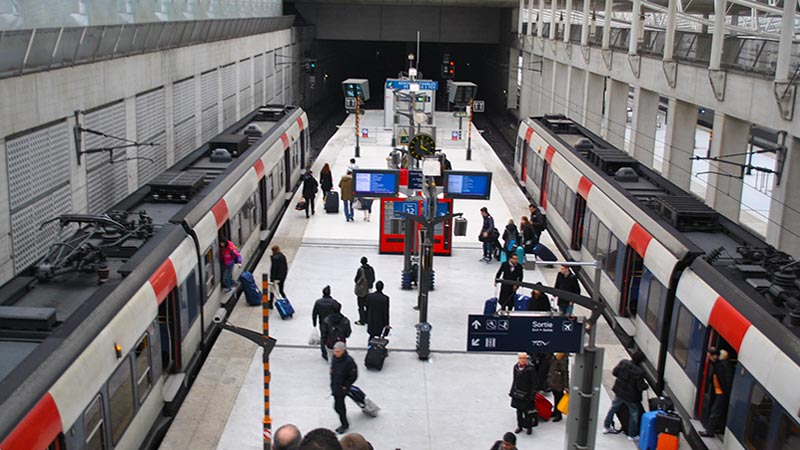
(563, 404)
(313, 338)
(519, 394)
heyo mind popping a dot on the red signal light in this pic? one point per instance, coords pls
(452, 71)
(452, 63)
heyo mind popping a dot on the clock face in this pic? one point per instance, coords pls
(422, 145)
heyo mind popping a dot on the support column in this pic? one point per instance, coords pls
(547, 86)
(560, 89)
(636, 11)
(592, 117)
(606, 44)
(530, 18)
(132, 152)
(669, 36)
(724, 192)
(783, 228)
(553, 18)
(718, 35)
(519, 16)
(679, 143)
(585, 23)
(616, 112)
(643, 125)
(540, 20)
(567, 20)
(576, 81)
(525, 99)
(511, 100)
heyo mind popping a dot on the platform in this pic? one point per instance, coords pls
(455, 400)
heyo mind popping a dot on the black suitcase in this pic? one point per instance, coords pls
(668, 423)
(660, 403)
(376, 353)
(332, 202)
(543, 253)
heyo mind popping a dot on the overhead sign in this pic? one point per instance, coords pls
(478, 106)
(406, 85)
(539, 334)
(350, 102)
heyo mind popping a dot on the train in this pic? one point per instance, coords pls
(102, 336)
(677, 278)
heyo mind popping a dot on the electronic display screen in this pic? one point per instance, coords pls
(467, 185)
(376, 183)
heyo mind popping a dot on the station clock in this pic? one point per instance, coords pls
(421, 146)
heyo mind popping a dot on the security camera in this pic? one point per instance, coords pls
(219, 316)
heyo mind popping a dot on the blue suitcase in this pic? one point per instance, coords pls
(251, 291)
(490, 307)
(544, 253)
(521, 302)
(284, 308)
(648, 437)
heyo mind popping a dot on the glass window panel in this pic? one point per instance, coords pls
(603, 235)
(654, 294)
(788, 433)
(93, 424)
(610, 260)
(142, 363)
(756, 430)
(587, 223)
(683, 334)
(591, 243)
(120, 394)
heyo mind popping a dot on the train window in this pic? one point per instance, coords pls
(93, 424)
(143, 373)
(591, 243)
(208, 263)
(602, 240)
(788, 433)
(537, 170)
(518, 150)
(655, 293)
(272, 186)
(683, 334)
(610, 260)
(531, 160)
(254, 210)
(587, 223)
(756, 429)
(120, 395)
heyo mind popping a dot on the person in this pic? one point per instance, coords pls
(527, 235)
(509, 442)
(365, 278)
(323, 307)
(366, 207)
(627, 389)
(287, 437)
(538, 221)
(309, 191)
(325, 180)
(510, 237)
(539, 302)
(721, 381)
(510, 270)
(566, 281)
(228, 255)
(352, 166)
(354, 441)
(558, 380)
(523, 394)
(485, 235)
(346, 186)
(344, 373)
(377, 304)
(320, 439)
(335, 327)
(278, 268)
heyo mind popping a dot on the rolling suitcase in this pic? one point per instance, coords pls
(648, 437)
(544, 253)
(663, 403)
(543, 407)
(251, 292)
(376, 353)
(668, 423)
(490, 307)
(521, 302)
(284, 307)
(367, 406)
(332, 202)
(667, 442)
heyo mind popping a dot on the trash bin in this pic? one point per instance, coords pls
(423, 340)
(460, 226)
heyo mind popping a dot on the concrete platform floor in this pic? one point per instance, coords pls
(455, 400)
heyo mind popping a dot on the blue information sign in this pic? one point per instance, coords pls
(415, 179)
(546, 334)
(376, 183)
(468, 185)
(406, 84)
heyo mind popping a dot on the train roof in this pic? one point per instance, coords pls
(738, 256)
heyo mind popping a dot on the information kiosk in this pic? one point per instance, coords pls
(392, 232)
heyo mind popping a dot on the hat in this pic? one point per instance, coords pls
(340, 345)
(510, 438)
(713, 351)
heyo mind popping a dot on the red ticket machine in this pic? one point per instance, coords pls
(393, 233)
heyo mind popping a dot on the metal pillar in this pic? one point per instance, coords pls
(679, 142)
(265, 307)
(718, 36)
(469, 131)
(358, 126)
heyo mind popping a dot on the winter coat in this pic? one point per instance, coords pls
(524, 381)
(309, 186)
(528, 234)
(510, 234)
(538, 222)
(344, 373)
(558, 375)
(322, 309)
(346, 186)
(377, 313)
(488, 226)
(567, 283)
(337, 327)
(512, 273)
(630, 381)
(230, 255)
(539, 302)
(278, 267)
(326, 181)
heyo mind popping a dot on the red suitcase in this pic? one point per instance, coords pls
(543, 407)
(667, 442)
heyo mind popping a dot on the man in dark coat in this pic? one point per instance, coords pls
(485, 235)
(539, 302)
(309, 191)
(627, 389)
(278, 268)
(509, 270)
(323, 307)
(566, 281)
(558, 380)
(721, 376)
(377, 311)
(538, 222)
(509, 442)
(364, 280)
(335, 327)
(344, 373)
(523, 393)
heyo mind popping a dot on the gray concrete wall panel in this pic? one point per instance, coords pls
(345, 22)
(28, 240)
(107, 182)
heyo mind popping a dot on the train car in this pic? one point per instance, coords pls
(678, 277)
(101, 338)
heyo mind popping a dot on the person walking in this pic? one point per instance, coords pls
(324, 307)
(278, 269)
(325, 180)
(628, 388)
(228, 256)
(509, 442)
(539, 302)
(566, 281)
(366, 207)
(721, 381)
(346, 187)
(365, 278)
(344, 373)
(558, 380)
(335, 327)
(377, 311)
(309, 191)
(510, 270)
(523, 394)
(485, 235)
(352, 166)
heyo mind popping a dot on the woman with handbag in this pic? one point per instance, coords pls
(523, 393)
(558, 379)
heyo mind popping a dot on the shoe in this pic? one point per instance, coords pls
(633, 438)
(358, 322)
(227, 290)
(705, 433)
(530, 430)
(607, 430)
(518, 430)
(342, 429)
(557, 419)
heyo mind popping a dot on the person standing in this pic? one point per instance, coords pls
(485, 235)
(628, 388)
(558, 380)
(510, 237)
(366, 207)
(320, 439)
(566, 281)
(309, 191)
(365, 278)
(335, 327)
(325, 180)
(527, 235)
(510, 270)
(344, 373)
(721, 371)
(509, 442)
(278, 269)
(538, 221)
(323, 307)
(523, 394)
(539, 302)
(228, 256)
(346, 187)
(352, 166)
(377, 311)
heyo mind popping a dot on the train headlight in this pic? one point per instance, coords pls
(118, 350)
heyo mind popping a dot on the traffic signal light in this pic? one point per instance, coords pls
(311, 67)
(448, 67)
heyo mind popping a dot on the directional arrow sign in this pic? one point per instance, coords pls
(476, 342)
(476, 324)
(536, 333)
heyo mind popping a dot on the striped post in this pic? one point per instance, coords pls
(267, 430)
(265, 290)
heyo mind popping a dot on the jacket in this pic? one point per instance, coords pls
(524, 381)
(377, 313)
(309, 186)
(346, 186)
(335, 328)
(567, 283)
(558, 374)
(528, 234)
(230, 255)
(509, 272)
(344, 373)
(363, 285)
(539, 302)
(723, 370)
(326, 181)
(498, 445)
(510, 234)
(322, 309)
(538, 222)
(488, 226)
(630, 381)
(278, 267)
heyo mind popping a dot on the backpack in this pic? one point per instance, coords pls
(337, 332)
(237, 257)
(362, 284)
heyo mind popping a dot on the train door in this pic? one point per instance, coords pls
(169, 324)
(262, 196)
(629, 290)
(287, 168)
(579, 212)
(303, 148)
(545, 179)
(524, 169)
(708, 387)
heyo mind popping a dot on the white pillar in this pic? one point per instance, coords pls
(529, 32)
(633, 44)
(616, 112)
(785, 46)
(643, 125)
(567, 20)
(553, 6)
(724, 192)
(585, 23)
(679, 142)
(131, 152)
(576, 81)
(547, 86)
(718, 36)
(607, 24)
(669, 37)
(783, 228)
(540, 19)
(560, 89)
(519, 16)
(511, 101)
(593, 102)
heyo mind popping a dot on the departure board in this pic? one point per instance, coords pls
(468, 185)
(376, 183)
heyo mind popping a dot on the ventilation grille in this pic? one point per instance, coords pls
(271, 113)
(174, 186)
(610, 160)
(686, 213)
